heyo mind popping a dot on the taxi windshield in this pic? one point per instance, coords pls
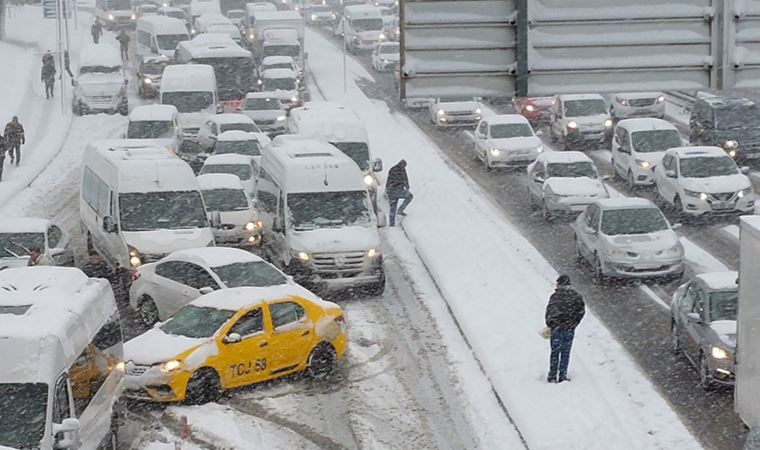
(196, 321)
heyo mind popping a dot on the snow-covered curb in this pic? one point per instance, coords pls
(497, 285)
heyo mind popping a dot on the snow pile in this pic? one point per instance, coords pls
(497, 285)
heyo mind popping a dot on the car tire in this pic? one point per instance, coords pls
(675, 341)
(203, 387)
(377, 288)
(321, 361)
(678, 212)
(147, 311)
(704, 374)
(630, 181)
(546, 214)
(598, 273)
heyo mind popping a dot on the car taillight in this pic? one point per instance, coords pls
(341, 320)
(134, 275)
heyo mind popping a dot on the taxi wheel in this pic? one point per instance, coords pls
(148, 311)
(321, 362)
(203, 387)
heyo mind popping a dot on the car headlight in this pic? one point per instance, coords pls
(495, 151)
(281, 118)
(616, 253)
(572, 124)
(540, 148)
(478, 111)
(303, 256)
(623, 101)
(660, 99)
(695, 194)
(719, 353)
(314, 17)
(441, 112)
(250, 226)
(171, 366)
(333, 16)
(368, 180)
(643, 164)
(250, 35)
(608, 123)
(732, 153)
(730, 144)
(675, 250)
(530, 108)
(371, 253)
(744, 192)
(294, 99)
(110, 17)
(135, 259)
(381, 36)
(147, 80)
(134, 16)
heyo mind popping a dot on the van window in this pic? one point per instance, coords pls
(357, 151)
(188, 102)
(143, 38)
(170, 210)
(267, 192)
(54, 235)
(24, 407)
(170, 41)
(95, 192)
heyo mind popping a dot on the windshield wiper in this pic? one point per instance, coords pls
(12, 254)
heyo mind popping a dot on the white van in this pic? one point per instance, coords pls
(101, 84)
(139, 203)
(159, 35)
(191, 88)
(362, 27)
(219, 24)
(159, 123)
(63, 360)
(200, 7)
(332, 245)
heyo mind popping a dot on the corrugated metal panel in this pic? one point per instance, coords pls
(742, 65)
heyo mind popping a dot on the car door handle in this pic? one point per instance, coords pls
(305, 333)
(263, 344)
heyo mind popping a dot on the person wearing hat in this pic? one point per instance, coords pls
(563, 314)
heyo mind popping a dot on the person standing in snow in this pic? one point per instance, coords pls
(564, 312)
(124, 39)
(97, 31)
(397, 188)
(14, 138)
(48, 73)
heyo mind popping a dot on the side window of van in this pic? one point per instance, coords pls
(143, 38)
(54, 235)
(267, 192)
(95, 192)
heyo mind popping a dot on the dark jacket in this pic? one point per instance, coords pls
(397, 178)
(48, 72)
(123, 40)
(14, 133)
(97, 271)
(3, 147)
(565, 309)
(96, 29)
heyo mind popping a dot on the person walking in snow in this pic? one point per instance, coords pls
(397, 188)
(3, 148)
(48, 73)
(97, 31)
(14, 137)
(564, 312)
(124, 39)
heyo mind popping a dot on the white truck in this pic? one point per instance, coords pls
(278, 33)
(747, 383)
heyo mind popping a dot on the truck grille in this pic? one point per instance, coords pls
(331, 262)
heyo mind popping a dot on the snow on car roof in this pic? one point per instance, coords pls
(188, 78)
(238, 298)
(727, 102)
(328, 120)
(228, 118)
(170, 9)
(570, 97)
(211, 181)
(278, 15)
(564, 157)
(207, 39)
(227, 158)
(213, 256)
(720, 280)
(237, 135)
(625, 203)
(153, 112)
(361, 11)
(695, 152)
(278, 73)
(506, 119)
(277, 59)
(100, 55)
(645, 124)
(24, 225)
(213, 19)
(163, 24)
(631, 95)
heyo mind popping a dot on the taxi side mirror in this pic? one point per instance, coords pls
(232, 338)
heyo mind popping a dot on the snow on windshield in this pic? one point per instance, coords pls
(328, 209)
(188, 102)
(510, 130)
(580, 108)
(248, 148)
(633, 221)
(24, 408)
(253, 273)
(242, 171)
(703, 167)
(150, 129)
(147, 211)
(279, 84)
(655, 140)
(262, 104)
(196, 322)
(225, 200)
(18, 244)
(571, 170)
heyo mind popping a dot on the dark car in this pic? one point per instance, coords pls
(536, 109)
(730, 123)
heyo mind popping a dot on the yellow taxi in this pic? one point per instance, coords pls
(231, 338)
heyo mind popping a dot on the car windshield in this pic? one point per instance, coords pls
(655, 140)
(119, 5)
(703, 167)
(99, 69)
(225, 200)
(510, 130)
(188, 102)
(360, 25)
(150, 129)
(281, 84)
(18, 244)
(389, 49)
(173, 210)
(170, 41)
(285, 65)
(234, 75)
(262, 104)
(176, 14)
(252, 273)
(196, 321)
(357, 151)
(24, 407)
(633, 221)
(242, 171)
(455, 99)
(248, 148)
(581, 108)
(293, 51)
(235, 14)
(724, 305)
(737, 117)
(571, 170)
(240, 126)
(154, 67)
(328, 209)
(321, 8)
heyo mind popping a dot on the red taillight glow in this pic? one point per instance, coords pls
(341, 319)
(134, 275)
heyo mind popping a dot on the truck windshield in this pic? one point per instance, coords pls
(253, 273)
(248, 148)
(328, 209)
(738, 117)
(633, 221)
(655, 140)
(99, 69)
(196, 322)
(18, 244)
(723, 305)
(188, 102)
(358, 151)
(581, 108)
(119, 5)
(293, 51)
(172, 210)
(170, 41)
(24, 407)
(150, 129)
(242, 171)
(279, 84)
(225, 200)
(360, 25)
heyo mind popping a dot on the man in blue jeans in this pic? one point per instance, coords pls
(564, 312)
(397, 188)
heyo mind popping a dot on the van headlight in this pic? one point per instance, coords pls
(643, 163)
(371, 253)
(110, 17)
(718, 353)
(250, 226)
(382, 36)
(572, 124)
(660, 99)
(303, 256)
(281, 119)
(171, 366)
(495, 151)
(744, 192)
(314, 17)
(147, 80)
(294, 99)
(134, 16)
(135, 258)
(730, 144)
(478, 111)
(540, 148)
(608, 123)
(441, 112)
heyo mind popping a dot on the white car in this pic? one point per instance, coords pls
(564, 182)
(703, 180)
(628, 238)
(219, 123)
(19, 235)
(242, 166)
(279, 62)
(236, 16)
(627, 105)
(320, 15)
(638, 146)
(242, 143)
(163, 287)
(266, 110)
(578, 119)
(506, 140)
(455, 111)
(230, 211)
(385, 56)
(282, 84)
(171, 11)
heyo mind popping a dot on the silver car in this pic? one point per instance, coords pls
(703, 325)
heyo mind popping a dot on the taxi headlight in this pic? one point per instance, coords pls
(608, 123)
(730, 144)
(719, 353)
(643, 163)
(572, 124)
(744, 192)
(281, 119)
(371, 253)
(170, 366)
(368, 180)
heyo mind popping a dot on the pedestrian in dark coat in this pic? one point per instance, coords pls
(124, 39)
(3, 149)
(397, 188)
(97, 31)
(564, 312)
(14, 137)
(96, 268)
(48, 73)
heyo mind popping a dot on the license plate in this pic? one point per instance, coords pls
(722, 205)
(752, 155)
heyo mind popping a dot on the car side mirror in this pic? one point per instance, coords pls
(232, 338)
(57, 251)
(670, 173)
(277, 224)
(206, 290)
(109, 225)
(377, 165)
(744, 170)
(538, 180)
(216, 219)
(70, 428)
(219, 109)
(693, 317)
